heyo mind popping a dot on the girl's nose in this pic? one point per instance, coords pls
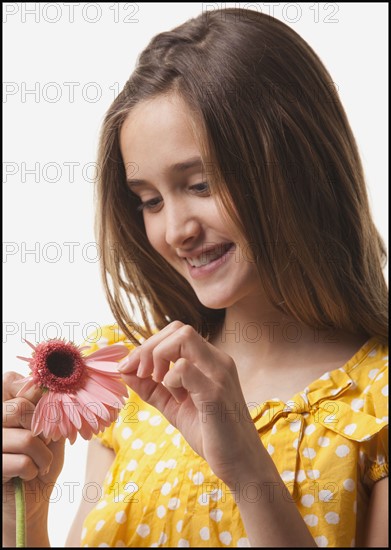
(182, 226)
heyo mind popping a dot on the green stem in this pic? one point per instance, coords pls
(20, 506)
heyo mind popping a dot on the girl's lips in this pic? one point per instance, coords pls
(211, 267)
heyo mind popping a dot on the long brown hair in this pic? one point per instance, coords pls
(279, 147)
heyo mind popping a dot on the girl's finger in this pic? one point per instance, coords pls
(19, 465)
(130, 363)
(185, 343)
(17, 441)
(183, 379)
(18, 412)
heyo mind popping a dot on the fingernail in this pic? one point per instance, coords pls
(123, 364)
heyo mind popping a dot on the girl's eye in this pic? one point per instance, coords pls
(152, 204)
(201, 188)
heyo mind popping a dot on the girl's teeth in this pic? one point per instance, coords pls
(204, 259)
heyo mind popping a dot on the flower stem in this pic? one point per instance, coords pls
(20, 506)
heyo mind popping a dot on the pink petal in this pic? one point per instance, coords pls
(104, 366)
(113, 384)
(30, 344)
(115, 352)
(28, 359)
(102, 394)
(38, 420)
(70, 410)
(98, 409)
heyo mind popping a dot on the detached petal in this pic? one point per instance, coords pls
(114, 352)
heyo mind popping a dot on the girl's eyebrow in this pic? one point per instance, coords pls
(193, 162)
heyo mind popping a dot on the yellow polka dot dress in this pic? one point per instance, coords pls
(329, 443)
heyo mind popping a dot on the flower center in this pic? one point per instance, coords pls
(60, 364)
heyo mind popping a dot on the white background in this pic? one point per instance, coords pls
(52, 288)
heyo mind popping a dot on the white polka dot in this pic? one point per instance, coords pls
(342, 451)
(171, 463)
(143, 415)
(288, 475)
(372, 353)
(179, 525)
(160, 466)
(170, 429)
(137, 444)
(122, 475)
(175, 482)
(161, 511)
(162, 539)
(176, 440)
(225, 537)
(270, 449)
(332, 518)
(357, 404)
(379, 376)
(198, 478)
(310, 429)
(120, 517)
(350, 429)
(216, 514)
(204, 533)
(323, 442)
(311, 520)
(325, 495)
(216, 494)
(99, 525)
(243, 543)
(143, 530)
(295, 426)
(126, 433)
(166, 488)
(308, 452)
(173, 503)
(307, 500)
(84, 532)
(203, 499)
(373, 373)
(150, 448)
(120, 544)
(313, 474)
(385, 391)
(295, 444)
(103, 545)
(274, 429)
(101, 505)
(119, 498)
(183, 543)
(133, 464)
(325, 376)
(321, 541)
(155, 420)
(300, 476)
(349, 484)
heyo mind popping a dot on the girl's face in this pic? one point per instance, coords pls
(183, 221)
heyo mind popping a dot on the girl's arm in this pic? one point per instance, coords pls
(376, 533)
(99, 460)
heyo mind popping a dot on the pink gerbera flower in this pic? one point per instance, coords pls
(81, 394)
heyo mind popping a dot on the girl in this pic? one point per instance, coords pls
(232, 212)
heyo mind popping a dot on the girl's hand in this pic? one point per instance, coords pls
(33, 459)
(200, 395)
